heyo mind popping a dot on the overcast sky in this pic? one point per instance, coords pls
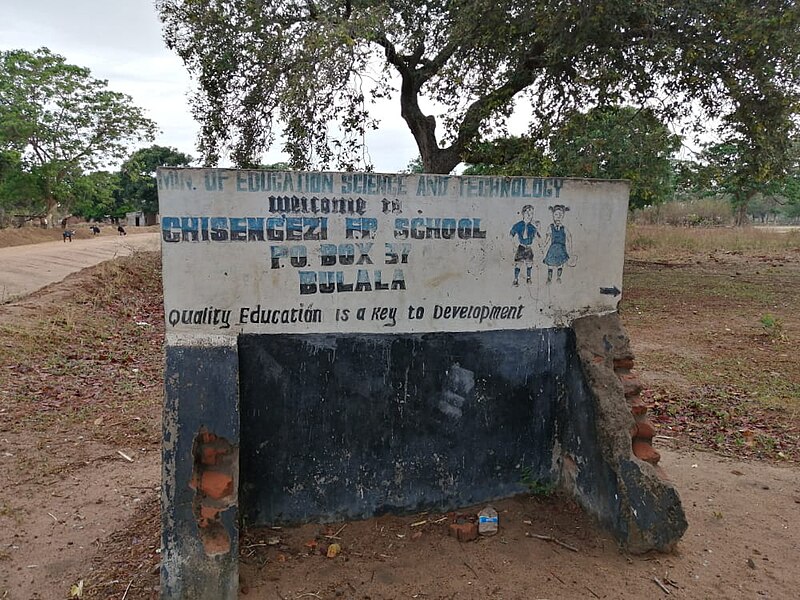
(120, 41)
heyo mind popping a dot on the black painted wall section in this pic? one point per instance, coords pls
(578, 438)
(345, 426)
(201, 394)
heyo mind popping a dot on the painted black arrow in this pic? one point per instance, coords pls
(612, 291)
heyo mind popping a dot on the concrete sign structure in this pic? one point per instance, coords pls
(433, 336)
(369, 253)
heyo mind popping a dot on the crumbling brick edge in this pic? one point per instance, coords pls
(651, 516)
(215, 482)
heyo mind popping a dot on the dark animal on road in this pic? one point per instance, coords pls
(68, 235)
(121, 230)
(95, 229)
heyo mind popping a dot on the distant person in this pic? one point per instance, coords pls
(95, 229)
(121, 230)
(68, 235)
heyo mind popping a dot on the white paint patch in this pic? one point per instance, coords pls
(274, 252)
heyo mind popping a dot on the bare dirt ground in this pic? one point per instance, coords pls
(716, 330)
(26, 268)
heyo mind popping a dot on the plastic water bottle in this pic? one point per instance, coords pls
(488, 521)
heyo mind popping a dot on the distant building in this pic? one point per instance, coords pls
(140, 219)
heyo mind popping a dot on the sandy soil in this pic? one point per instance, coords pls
(24, 269)
(79, 504)
(742, 541)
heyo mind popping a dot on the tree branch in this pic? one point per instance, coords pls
(519, 79)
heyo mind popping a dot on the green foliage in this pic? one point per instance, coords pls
(19, 187)
(137, 182)
(508, 156)
(772, 325)
(756, 178)
(278, 166)
(95, 196)
(414, 166)
(618, 142)
(614, 142)
(62, 122)
(313, 68)
(536, 486)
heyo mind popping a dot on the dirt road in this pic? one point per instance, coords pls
(24, 269)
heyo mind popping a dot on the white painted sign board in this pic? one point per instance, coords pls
(297, 252)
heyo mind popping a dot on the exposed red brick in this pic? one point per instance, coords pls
(208, 512)
(212, 454)
(645, 430)
(464, 532)
(216, 484)
(623, 363)
(208, 455)
(644, 451)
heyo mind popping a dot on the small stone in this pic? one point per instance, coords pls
(751, 563)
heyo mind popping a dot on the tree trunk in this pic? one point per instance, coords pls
(741, 202)
(439, 161)
(423, 128)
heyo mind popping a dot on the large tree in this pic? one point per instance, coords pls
(749, 172)
(138, 186)
(612, 142)
(312, 66)
(62, 121)
(94, 196)
(19, 188)
(510, 156)
(618, 143)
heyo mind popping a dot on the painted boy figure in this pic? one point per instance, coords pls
(526, 233)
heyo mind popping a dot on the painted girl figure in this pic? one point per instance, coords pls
(559, 244)
(525, 234)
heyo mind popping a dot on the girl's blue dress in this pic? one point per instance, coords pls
(557, 252)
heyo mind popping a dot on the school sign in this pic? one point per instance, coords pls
(402, 317)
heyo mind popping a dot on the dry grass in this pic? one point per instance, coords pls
(653, 242)
(700, 212)
(34, 235)
(715, 317)
(89, 349)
